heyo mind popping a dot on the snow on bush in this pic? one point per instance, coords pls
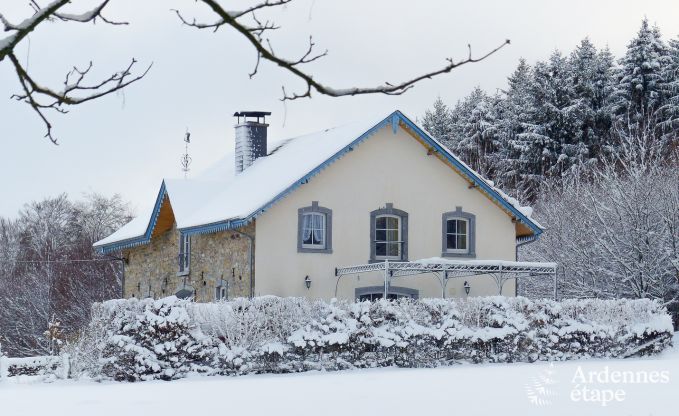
(46, 368)
(168, 338)
(132, 340)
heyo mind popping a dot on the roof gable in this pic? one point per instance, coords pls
(205, 206)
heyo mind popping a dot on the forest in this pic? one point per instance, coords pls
(590, 140)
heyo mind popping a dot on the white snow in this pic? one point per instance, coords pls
(220, 195)
(273, 174)
(25, 24)
(5, 42)
(512, 389)
(135, 228)
(503, 263)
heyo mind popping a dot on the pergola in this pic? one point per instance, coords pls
(445, 269)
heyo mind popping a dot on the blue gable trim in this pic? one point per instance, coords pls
(143, 239)
(471, 175)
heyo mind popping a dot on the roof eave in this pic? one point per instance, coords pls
(142, 239)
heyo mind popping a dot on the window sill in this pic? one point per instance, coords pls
(184, 273)
(383, 260)
(314, 250)
(453, 254)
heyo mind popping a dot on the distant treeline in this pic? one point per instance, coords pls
(49, 273)
(569, 111)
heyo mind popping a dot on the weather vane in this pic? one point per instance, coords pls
(186, 159)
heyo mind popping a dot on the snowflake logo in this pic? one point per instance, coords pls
(540, 390)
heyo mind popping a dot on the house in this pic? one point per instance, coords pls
(280, 218)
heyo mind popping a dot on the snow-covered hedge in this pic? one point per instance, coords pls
(43, 368)
(169, 338)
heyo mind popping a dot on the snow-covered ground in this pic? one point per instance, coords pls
(527, 389)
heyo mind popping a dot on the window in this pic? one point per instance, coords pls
(458, 234)
(184, 253)
(314, 229)
(388, 237)
(378, 295)
(372, 293)
(222, 291)
(388, 234)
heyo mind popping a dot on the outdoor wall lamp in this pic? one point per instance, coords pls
(307, 282)
(466, 287)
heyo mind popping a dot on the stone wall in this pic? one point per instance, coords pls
(152, 269)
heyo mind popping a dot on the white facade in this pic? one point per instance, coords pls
(385, 168)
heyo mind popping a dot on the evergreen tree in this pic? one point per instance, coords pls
(479, 132)
(555, 146)
(438, 121)
(640, 79)
(592, 81)
(668, 114)
(517, 118)
(605, 88)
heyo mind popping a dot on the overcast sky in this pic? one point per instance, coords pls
(127, 143)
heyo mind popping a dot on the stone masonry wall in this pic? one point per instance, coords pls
(152, 269)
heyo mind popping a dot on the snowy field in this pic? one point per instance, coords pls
(532, 389)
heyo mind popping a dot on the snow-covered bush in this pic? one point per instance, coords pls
(147, 339)
(45, 368)
(168, 338)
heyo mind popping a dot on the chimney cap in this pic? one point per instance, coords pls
(251, 113)
(255, 114)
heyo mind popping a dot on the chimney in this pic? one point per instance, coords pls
(250, 137)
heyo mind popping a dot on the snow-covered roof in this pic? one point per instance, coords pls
(219, 199)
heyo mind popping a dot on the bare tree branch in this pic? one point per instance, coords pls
(75, 90)
(245, 21)
(27, 26)
(34, 93)
(254, 36)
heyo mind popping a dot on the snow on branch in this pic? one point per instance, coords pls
(245, 21)
(254, 34)
(89, 16)
(42, 98)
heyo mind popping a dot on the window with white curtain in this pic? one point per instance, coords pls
(313, 230)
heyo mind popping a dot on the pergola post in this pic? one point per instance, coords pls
(556, 294)
(444, 284)
(386, 278)
(502, 283)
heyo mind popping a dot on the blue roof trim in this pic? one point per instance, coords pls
(472, 176)
(143, 239)
(236, 223)
(393, 119)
